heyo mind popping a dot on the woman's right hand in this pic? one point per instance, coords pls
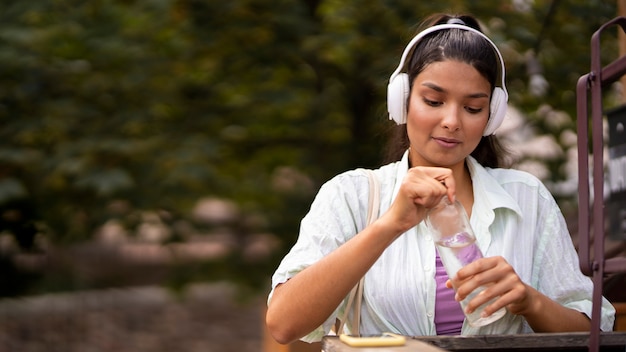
(422, 188)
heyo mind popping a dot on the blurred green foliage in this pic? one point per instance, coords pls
(158, 103)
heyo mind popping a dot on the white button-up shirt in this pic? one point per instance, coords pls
(513, 216)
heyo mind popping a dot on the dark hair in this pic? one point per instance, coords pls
(463, 46)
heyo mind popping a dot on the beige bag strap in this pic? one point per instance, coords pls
(356, 295)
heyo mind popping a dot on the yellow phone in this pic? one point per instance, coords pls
(385, 339)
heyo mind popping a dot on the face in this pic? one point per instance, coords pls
(448, 111)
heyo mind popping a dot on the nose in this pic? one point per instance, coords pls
(451, 119)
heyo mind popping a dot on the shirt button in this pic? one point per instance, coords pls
(430, 314)
(428, 238)
(427, 268)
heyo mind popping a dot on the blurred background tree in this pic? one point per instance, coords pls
(113, 107)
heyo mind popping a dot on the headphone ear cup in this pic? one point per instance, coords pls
(397, 95)
(498, 109)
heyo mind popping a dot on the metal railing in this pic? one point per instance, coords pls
(590, 87)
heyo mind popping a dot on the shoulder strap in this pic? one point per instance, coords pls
(356, 295)
(374, 197)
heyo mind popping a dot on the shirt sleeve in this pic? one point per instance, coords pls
(335, 216)
(556, 266)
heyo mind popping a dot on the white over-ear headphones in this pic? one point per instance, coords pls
(398, 89)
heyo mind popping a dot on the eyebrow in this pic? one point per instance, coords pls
(441, 90)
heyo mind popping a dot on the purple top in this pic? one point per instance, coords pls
(448, 313)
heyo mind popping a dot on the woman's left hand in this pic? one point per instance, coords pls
(501, 281)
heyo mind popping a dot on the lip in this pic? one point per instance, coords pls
(447, 142)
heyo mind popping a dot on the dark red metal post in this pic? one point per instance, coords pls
(590, 86)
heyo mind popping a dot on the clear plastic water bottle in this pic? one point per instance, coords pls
(457, 247)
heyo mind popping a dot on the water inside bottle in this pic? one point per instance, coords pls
(458, 250)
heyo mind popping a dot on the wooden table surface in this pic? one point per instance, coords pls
(610, 341)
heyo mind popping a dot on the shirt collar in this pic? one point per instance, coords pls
(488, 193)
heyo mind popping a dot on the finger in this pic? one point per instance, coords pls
(476, 267)
(482, 297)
(483, 272)
(444, 177)
(501, 283)
(463, 288)
(433, 191)
(510, 297)
(425, 191)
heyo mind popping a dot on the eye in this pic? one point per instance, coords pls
(473, 110)
(432, 102)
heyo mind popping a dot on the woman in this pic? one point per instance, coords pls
(447, 98)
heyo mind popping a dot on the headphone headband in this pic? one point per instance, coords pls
(499, 96)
